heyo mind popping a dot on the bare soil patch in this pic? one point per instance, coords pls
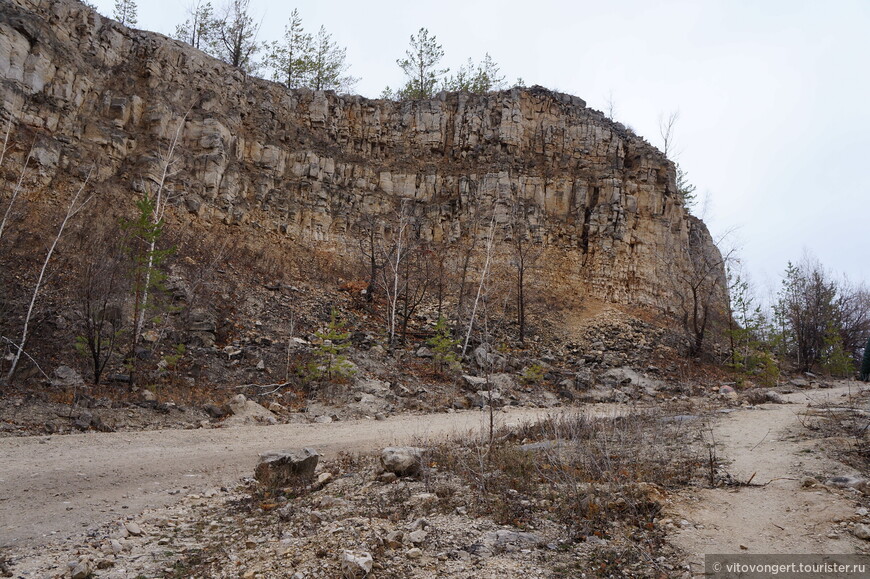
(786, 513)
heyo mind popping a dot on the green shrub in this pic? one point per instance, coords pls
(444, 348)
(329, 361)
(533, 374)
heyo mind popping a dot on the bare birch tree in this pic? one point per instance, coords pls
(394, 255)
(483, 275)
(72, 209)
(159, 201)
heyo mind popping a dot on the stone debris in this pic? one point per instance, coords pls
(356, 566)
(862, 531)
(82, 569)
(246, 412)
(66, 377)
(509, 540)
(402, 461)
(287, 468)
(133, 528)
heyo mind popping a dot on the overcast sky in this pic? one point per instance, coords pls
(773, 96)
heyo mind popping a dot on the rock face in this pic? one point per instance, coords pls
(315, 166)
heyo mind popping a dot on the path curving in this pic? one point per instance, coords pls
(769, 445)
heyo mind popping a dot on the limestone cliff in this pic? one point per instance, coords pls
(310, 164)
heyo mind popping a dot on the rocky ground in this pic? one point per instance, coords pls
(181, 502)
(449, 518)
(471, 512)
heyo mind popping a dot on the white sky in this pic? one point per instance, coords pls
(774, 96)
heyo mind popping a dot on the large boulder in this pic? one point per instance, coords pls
(285, 468)
(487, 360)
(483, 398)
(402, 460)
(474, 382)
(246, 411)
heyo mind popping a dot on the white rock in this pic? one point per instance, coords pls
(356, 566)
(862, 531)
(417, 537)
(402, 460)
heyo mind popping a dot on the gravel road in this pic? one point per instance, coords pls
(53, 488)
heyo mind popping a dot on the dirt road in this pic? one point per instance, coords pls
(781, 517)
(55, 487)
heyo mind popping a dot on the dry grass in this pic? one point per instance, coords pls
(596, 477)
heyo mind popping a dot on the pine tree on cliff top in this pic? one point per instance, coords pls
(125, 12)
(420, 65)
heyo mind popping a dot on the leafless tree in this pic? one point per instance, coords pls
(395, 249)
(610, 106)
(853, 304)
(18, 185)
(490, 239)
(667, 128)
(75, 205)
(368, 239)
(101, 319)
(160, 199)
(700, 284)
(525, 251)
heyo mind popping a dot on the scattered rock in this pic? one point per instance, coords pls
(424, 352)
(861, 485)
(474, 382)
(402, 460)
(151, 336)
(133, 528)
(286, 468)
(774, 397)
(374, 387)
(65, 377)
(323, 479)
(246, 411)
(507, 540)
(417, 537)
(394, 539)
(84, 420)
(488, 360)
(215, 411)
(862, 531)
(82, 570)
(484, 398)
(414, 553)
(354, 566)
